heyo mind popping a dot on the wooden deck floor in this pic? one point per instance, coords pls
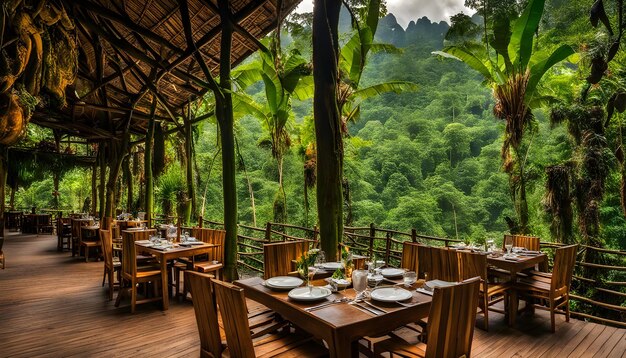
(53, 305)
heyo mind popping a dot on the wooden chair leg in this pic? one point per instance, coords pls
(104, 276)
(486, 313)
(133, 296)
(120, 293)
(552, 318)
(111, 285)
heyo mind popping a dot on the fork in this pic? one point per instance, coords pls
(405, 304)
(338, 300)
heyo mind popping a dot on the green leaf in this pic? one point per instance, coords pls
(501, 39)
(305, 89)
(386, 48)
(244, 104)
(524, 28)
(375, 90)
(540, 68)
(469, 58)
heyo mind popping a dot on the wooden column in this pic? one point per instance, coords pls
(3, 180)
(94, 187)
(225, 118)
(101, 185)
(148, 168)
(191, 186)
(327, 125)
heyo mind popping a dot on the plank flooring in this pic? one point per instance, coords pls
(53, 305)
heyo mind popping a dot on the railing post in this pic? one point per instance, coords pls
(315, 235)
(413, 235)
(387, 248)
(179, 224)
(268, 232)
(200, 221)
(371, 244)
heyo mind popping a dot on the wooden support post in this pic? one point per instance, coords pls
(327, 125)
(413, 235)
(200, 221)
(268, 232)
(3, 180)
(387, 248)
(94, 187)
(371, 243)
(148, 154)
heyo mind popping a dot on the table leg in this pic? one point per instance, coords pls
(164, 285)
(343, 346)
(513, 300)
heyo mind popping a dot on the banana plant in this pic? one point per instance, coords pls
(513, 68)
(285, 76)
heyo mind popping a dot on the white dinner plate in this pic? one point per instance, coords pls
(304, 294)
(439, 283)
(390, 294)
(283, 282)
(142, 242)
(391, 272)
(332, 265)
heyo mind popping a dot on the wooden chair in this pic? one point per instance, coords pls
(207, 266)
(278, 257)
(410, 257)
(440, 263)
(531, 243)
(450, 325)
(112, 264)
(76, 225)
(133, 274)
(211, 236)
(232, 306)
(87, 244)
(475, 265)
(554, 287)
(64, 234)
(2, 258)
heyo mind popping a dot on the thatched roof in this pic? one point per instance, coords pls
(146, 55)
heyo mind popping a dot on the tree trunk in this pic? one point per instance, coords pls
(94, 188)
(128, 175)
(103, 173)
(55, 189)
(117, 152)
(149, 191)
(12, 198)
(327, 125)
(225, 118)
(191, 183)
(3, 181)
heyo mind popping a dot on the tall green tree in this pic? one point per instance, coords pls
(512, 66)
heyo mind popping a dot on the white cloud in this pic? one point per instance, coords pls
(407, 10)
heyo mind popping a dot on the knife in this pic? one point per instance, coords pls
(376, 313)
(374, 306)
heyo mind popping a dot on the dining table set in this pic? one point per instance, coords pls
(374, 302)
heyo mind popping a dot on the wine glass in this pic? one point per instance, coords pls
(410, 277)
(320, 259)
(311, 274)
(359, 282)
(508, 244)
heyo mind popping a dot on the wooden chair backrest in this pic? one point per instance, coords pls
(129, 256)
(232, 304)
(211, 236)
(472, 265)
(129, 252)
(451, 320)
(445, 265)
(564, 261)
(206, 313)
(278, 256)
(425, 260)
(77, 224)
(107, 247)
(531, 243)
(410, 257)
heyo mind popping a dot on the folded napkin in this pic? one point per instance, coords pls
(528, 252)
(425, 291)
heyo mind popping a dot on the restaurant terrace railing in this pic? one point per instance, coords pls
(599, 279)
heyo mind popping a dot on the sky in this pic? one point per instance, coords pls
(407, 10)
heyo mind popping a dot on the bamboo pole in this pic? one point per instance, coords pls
(149, 200)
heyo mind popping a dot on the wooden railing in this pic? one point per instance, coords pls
(385, 244)
(598, 284)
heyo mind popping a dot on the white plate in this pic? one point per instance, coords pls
(341, 282)
(332, 265)
(439, 283)
(391, 272)
(390, 294)
(304, 294)
(142, 242)
(283, 282)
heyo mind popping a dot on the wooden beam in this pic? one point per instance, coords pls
(126, 22)
(110, 78)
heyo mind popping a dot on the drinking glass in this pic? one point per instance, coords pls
(359, 282)
(508, 244)
(410, 277)
(320, 259)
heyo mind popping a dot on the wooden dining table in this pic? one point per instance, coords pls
(514, 266)
(163, 256)
(340, 325)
